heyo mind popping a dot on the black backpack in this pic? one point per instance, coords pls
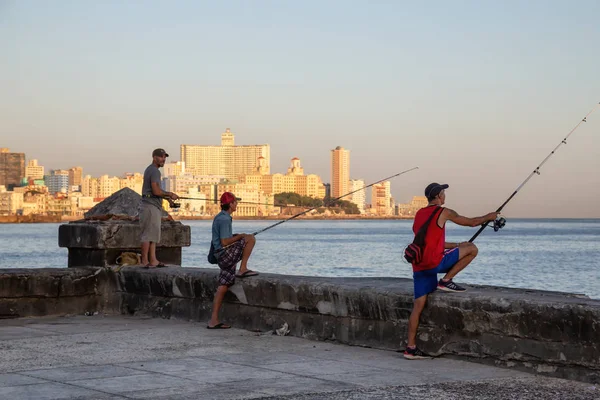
(414, 251)
(212, 258)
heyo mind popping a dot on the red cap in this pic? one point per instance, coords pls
(228, 198)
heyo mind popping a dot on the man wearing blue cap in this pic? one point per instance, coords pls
(438, 257)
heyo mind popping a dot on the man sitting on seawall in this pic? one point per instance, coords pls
(229, 249)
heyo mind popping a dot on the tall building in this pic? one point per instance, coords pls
(226, 160)
(58, 181)
(381, 199)
(89, 187)
(108, 185)
(340, 171)
(134, 182)
(359, 197)
(12, 168)
(174, 168)
(75, 176)
(34, 171)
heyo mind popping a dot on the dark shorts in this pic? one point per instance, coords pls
(426, 281)
(228, 260)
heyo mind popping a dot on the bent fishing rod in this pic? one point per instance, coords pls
(499, 223)
(333, 200)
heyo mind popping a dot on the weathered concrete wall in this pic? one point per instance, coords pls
(52, 291)
(550, 333)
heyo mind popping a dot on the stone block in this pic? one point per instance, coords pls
(112, 227)
(118, 234)
(54, 291)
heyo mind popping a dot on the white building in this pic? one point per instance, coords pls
(34, 171)
(195, 204)
(360, 197)
(182, 183)
(174, 168)
(226, 160)
(107, 186)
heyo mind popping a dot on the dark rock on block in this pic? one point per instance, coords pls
(125, 203)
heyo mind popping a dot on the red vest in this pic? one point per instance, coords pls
(435, 239)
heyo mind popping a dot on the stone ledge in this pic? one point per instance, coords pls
(552, 333)
(49, 282)
(119, 234)
(548, 333)
(52, 291)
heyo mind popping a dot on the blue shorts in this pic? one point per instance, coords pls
(426, 281)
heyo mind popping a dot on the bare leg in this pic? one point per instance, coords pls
(250, 241)
(466, 253)
(221, 290)
(145, 248)
(153, 260)
(413, 321)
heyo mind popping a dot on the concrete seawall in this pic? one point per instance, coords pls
(549, 333)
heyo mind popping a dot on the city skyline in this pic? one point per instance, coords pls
(474, 94)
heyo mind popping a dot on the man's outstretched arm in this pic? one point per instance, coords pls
(453, 216)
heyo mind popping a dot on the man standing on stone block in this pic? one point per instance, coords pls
(438, 257)
(151, 209)
(229, 249)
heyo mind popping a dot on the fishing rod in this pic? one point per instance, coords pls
(178, 205)
(499, 223)
(314, 208)
(244, 202)
(332, 200)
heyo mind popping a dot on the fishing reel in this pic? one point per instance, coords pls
(499, 224)
(175, 205)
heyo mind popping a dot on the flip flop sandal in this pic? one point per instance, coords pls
(220, 325)
(246, 274)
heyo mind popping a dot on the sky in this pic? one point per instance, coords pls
(474, 93)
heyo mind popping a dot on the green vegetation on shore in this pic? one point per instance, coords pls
(289, 198)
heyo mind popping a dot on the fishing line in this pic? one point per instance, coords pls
(333, 200)
(330, 201)
(178, 205)
(499, 223)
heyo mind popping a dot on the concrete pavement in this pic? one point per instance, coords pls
(120, 357)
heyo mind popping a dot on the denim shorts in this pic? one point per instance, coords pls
(426, 281)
